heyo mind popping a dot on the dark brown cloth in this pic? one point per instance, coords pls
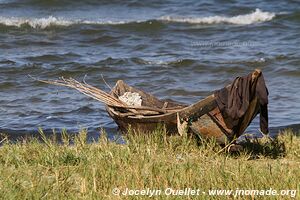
(233, 101)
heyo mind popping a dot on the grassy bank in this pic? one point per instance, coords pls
(35, 170)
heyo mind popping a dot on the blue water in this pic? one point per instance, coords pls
(183, 50)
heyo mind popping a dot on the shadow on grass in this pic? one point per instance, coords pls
(263, 147)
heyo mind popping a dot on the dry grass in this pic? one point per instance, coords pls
(77, 170)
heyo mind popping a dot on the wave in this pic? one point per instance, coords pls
(254, 17)
(45, 22)
(34, 22)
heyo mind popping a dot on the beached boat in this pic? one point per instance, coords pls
(203, 118)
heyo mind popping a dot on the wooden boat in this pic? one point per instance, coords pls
(203, 117)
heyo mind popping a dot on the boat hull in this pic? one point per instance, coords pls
(200, 122)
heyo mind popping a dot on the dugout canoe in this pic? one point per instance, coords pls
(203, 117)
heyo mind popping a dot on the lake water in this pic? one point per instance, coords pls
(183, 50)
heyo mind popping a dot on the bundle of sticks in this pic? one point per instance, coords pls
(104, 97)
(88, 90)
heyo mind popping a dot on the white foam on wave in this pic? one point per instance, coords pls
(43, 23)
(34, 22)
(254, 17)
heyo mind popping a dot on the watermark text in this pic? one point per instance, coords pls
(148, 192)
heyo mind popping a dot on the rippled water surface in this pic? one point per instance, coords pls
(182, 50)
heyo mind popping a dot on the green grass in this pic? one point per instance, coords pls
(31, 169)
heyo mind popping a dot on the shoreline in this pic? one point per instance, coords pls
(95, 133)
